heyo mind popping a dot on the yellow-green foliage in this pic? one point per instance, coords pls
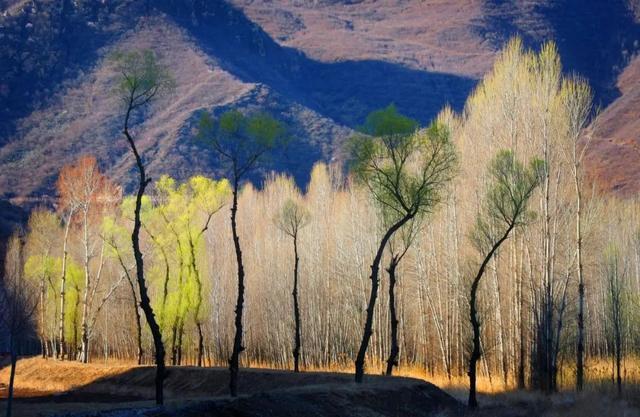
(177, 220)
(49, 267)
(74, 287)
(40, 267)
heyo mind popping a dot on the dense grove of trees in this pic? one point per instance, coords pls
(473, 243)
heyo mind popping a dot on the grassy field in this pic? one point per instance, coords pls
(49, 387)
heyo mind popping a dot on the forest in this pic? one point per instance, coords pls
(475, 248)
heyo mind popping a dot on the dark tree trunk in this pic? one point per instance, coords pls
(522, 331)
(395, 348)
(73, 355)
(196, 273)
(180, 335)
(137, 315)
(84, 345)
(580, 352)
(475, 352)
(139, 336)
(618, 352)
(296, 307)
(368, 326)
(176, 338)
(174, 345)
(580, 349)
(200, 344)
(475, 322)
(145, 303)
(234, 361)
(14, 360)
(43, 338)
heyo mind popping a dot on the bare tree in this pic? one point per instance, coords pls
(18, 303)
(43, 227)
(68, 206)
(241, 142)
(85, 187)
(141, 80)
(577, 99)
(405, 171)
(615, 271)
(505, 208)
(290, 220)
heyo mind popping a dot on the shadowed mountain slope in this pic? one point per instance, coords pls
(220, 59)
(321, 66)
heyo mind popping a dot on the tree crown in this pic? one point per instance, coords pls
(241, 141)
(142, 78)
(505, 205)
(292, 217)
(406, 170)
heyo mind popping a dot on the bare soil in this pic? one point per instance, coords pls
(53, 388)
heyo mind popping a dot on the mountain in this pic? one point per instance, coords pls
(320, 65)
(614, 157)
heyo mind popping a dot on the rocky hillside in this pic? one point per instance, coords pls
(320, 65)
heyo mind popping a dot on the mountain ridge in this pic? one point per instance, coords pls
(321, 66)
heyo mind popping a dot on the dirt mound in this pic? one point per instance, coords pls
(382, 397)
(56, 388)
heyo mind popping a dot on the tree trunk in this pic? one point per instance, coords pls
(618, 337)
(63, 283)
(73, 353)
(580, 350)
(521, 321)
(475, 353)
(174, 338)
(618, 365)
(180, 335)
(43, 339)
(234, 361)
(375, 268)
(137, 315)
(296, 307)
(165, 286)
(14, 360)
(196, 313)
(475, 322)
(145, 303)
(200, 344)
(84, 349)
(395, 348)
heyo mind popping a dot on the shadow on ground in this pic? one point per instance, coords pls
(203, 392)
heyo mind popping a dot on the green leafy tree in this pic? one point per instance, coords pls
(114, 234)
(405, 170)
(172, 208)
(206, 198)
(43, 230)
(241, 142)
(187, 210)
(141, 80)
(504, 209)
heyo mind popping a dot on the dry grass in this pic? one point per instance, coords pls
(107, 385)
(51, 376)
